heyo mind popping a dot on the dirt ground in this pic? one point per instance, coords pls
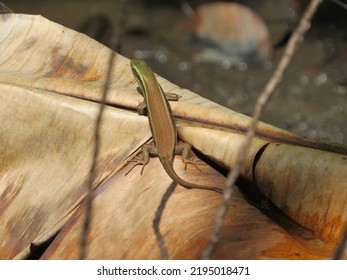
(312, 99)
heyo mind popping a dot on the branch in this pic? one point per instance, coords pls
(295, 40)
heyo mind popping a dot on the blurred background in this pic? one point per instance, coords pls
(226, 51)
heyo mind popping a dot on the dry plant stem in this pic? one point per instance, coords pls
(4, 9)
(341, 247)
(115, 45)
(340, 3)
(92, 172)
(293, 43)
(161, 241)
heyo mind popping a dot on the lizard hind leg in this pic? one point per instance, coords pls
(142, 159)
(185, 149)
(138, 161)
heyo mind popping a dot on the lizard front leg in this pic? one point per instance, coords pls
(141, 108)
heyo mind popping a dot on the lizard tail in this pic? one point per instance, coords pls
(188, 185)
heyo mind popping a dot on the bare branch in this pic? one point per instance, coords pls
(92, 172)
(293, 43)
(340, 3)
(341, 247)
(115, 45)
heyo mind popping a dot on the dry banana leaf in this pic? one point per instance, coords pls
(51, 80)
(47, 136)
(308, 184)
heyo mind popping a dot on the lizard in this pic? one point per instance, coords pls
(162, 125)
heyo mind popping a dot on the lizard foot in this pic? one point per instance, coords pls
(138, 161)
(192, 161)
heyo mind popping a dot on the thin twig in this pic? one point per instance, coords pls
(161, 241)
(293, 43)
(92, 172)
(4, 9)
(114, 45)
(340, 3)
(341, 247)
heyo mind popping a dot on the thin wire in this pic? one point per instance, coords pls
(295, 40)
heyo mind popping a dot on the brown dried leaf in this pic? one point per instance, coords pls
(51, 79)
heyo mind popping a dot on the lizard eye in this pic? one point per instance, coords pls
(135, 73)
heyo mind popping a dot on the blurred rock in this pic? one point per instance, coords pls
(231, 32)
